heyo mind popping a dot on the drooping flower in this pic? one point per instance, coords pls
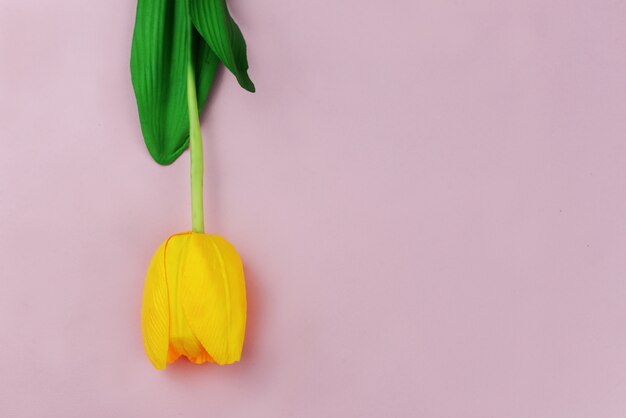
(194, 301)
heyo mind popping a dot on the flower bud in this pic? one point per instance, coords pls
(194, 301)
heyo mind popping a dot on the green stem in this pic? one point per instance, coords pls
(195, 149)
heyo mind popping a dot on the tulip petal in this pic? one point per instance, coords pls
(219, 30)
(181, 338)
(155, 313)
(158, 65)
(214, 296)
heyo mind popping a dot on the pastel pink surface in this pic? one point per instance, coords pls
(429, 199)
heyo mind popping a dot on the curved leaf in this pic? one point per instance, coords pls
(212, 19)
(159, 74)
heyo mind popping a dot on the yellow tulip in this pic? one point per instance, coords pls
(194, 301)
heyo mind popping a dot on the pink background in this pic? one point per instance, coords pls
(429, 197)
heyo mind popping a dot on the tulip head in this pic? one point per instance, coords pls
(194, 301)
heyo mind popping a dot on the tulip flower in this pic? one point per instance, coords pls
(194, 301)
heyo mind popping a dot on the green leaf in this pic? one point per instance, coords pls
(159, 74)
(213, 21)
